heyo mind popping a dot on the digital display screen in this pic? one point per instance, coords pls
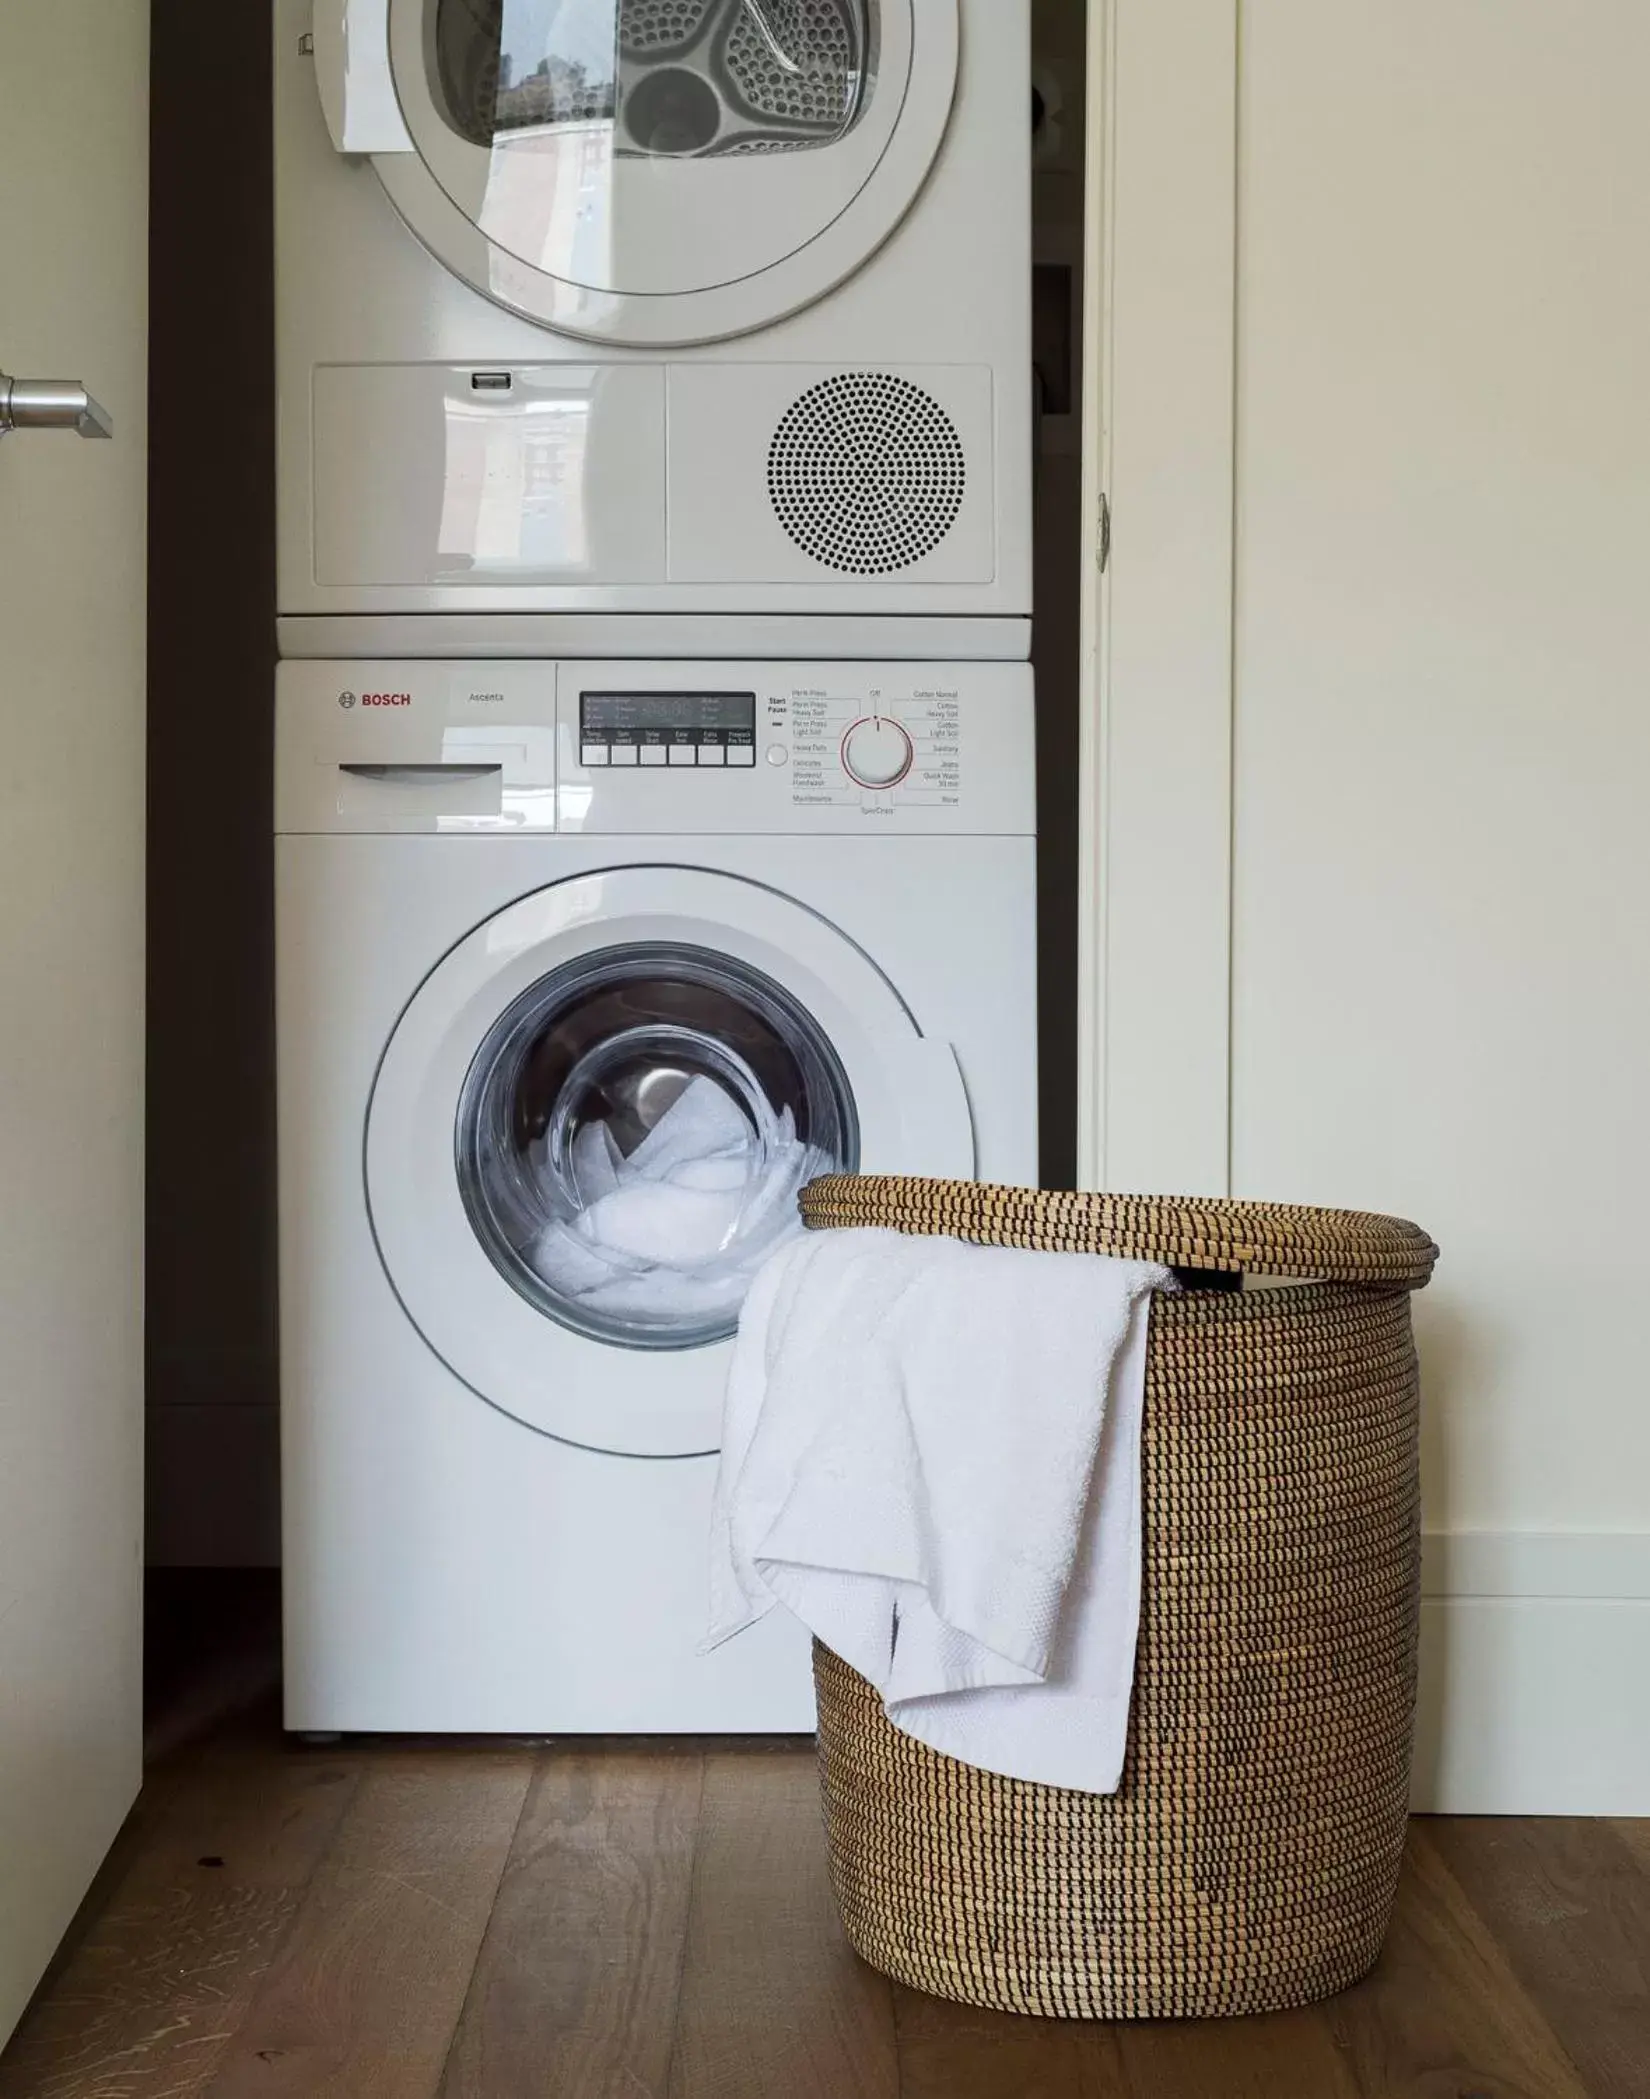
(641, 714)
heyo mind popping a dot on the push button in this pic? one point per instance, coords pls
(682, 754)
(593, 754)
(654, 754)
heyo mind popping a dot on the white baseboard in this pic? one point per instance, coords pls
(1535, 1674)
(1535, 1647)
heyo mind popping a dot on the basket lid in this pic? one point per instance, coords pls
(1234, 1238)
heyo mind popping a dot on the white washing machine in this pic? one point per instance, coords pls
(671, 308)
(521, 903)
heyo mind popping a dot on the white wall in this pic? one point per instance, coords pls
(1438, 722)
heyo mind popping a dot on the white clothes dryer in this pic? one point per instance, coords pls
(524, 908)
(664, 307)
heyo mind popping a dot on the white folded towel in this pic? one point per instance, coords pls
(913, 1463)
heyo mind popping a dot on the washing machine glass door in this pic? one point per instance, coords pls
(591, 1125)
(664, 171)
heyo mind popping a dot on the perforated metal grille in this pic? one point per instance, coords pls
(796, 61)
(761, 76)
(866, 473)
(652, 26)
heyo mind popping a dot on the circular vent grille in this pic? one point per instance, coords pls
(866, 473)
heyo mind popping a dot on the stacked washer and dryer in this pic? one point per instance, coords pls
(654, 728)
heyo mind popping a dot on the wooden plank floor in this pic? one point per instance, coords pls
(503, 1920)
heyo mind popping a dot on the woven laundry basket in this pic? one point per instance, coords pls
(1250, 1858)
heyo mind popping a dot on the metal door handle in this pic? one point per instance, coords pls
(51, 404)
(415, 775)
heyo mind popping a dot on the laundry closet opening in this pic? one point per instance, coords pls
(1059, 48)
(212, 1352)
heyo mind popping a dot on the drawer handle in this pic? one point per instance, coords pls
(421, 775)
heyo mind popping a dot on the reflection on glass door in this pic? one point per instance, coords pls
(659, 78)
(515, 492)
(648, 148)
(506, 66)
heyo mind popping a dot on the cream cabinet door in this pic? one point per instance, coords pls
(73, 271)
(1368, 771)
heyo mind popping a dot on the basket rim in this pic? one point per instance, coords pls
(1295, 1241)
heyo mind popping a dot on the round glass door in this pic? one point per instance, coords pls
(660, 171)
(590, 1124)
(633, 1136)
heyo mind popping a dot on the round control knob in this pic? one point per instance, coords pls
(877, 752)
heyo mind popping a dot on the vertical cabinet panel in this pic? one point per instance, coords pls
(73, 154)
(1156, 780)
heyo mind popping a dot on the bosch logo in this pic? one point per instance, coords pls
(346, 699)
(386, 699)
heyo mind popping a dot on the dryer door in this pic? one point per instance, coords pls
(591, 1123)
(664, 171)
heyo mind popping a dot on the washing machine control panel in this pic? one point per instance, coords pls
(840, 739)
(797, 747)
(641, 748)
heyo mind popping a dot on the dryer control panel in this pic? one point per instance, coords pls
(654, 749)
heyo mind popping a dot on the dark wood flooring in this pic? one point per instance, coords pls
(502, 1920)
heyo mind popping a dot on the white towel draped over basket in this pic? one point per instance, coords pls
(931, 1455)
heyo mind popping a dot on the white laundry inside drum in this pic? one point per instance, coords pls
(635, 1133)
(678, 1229)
